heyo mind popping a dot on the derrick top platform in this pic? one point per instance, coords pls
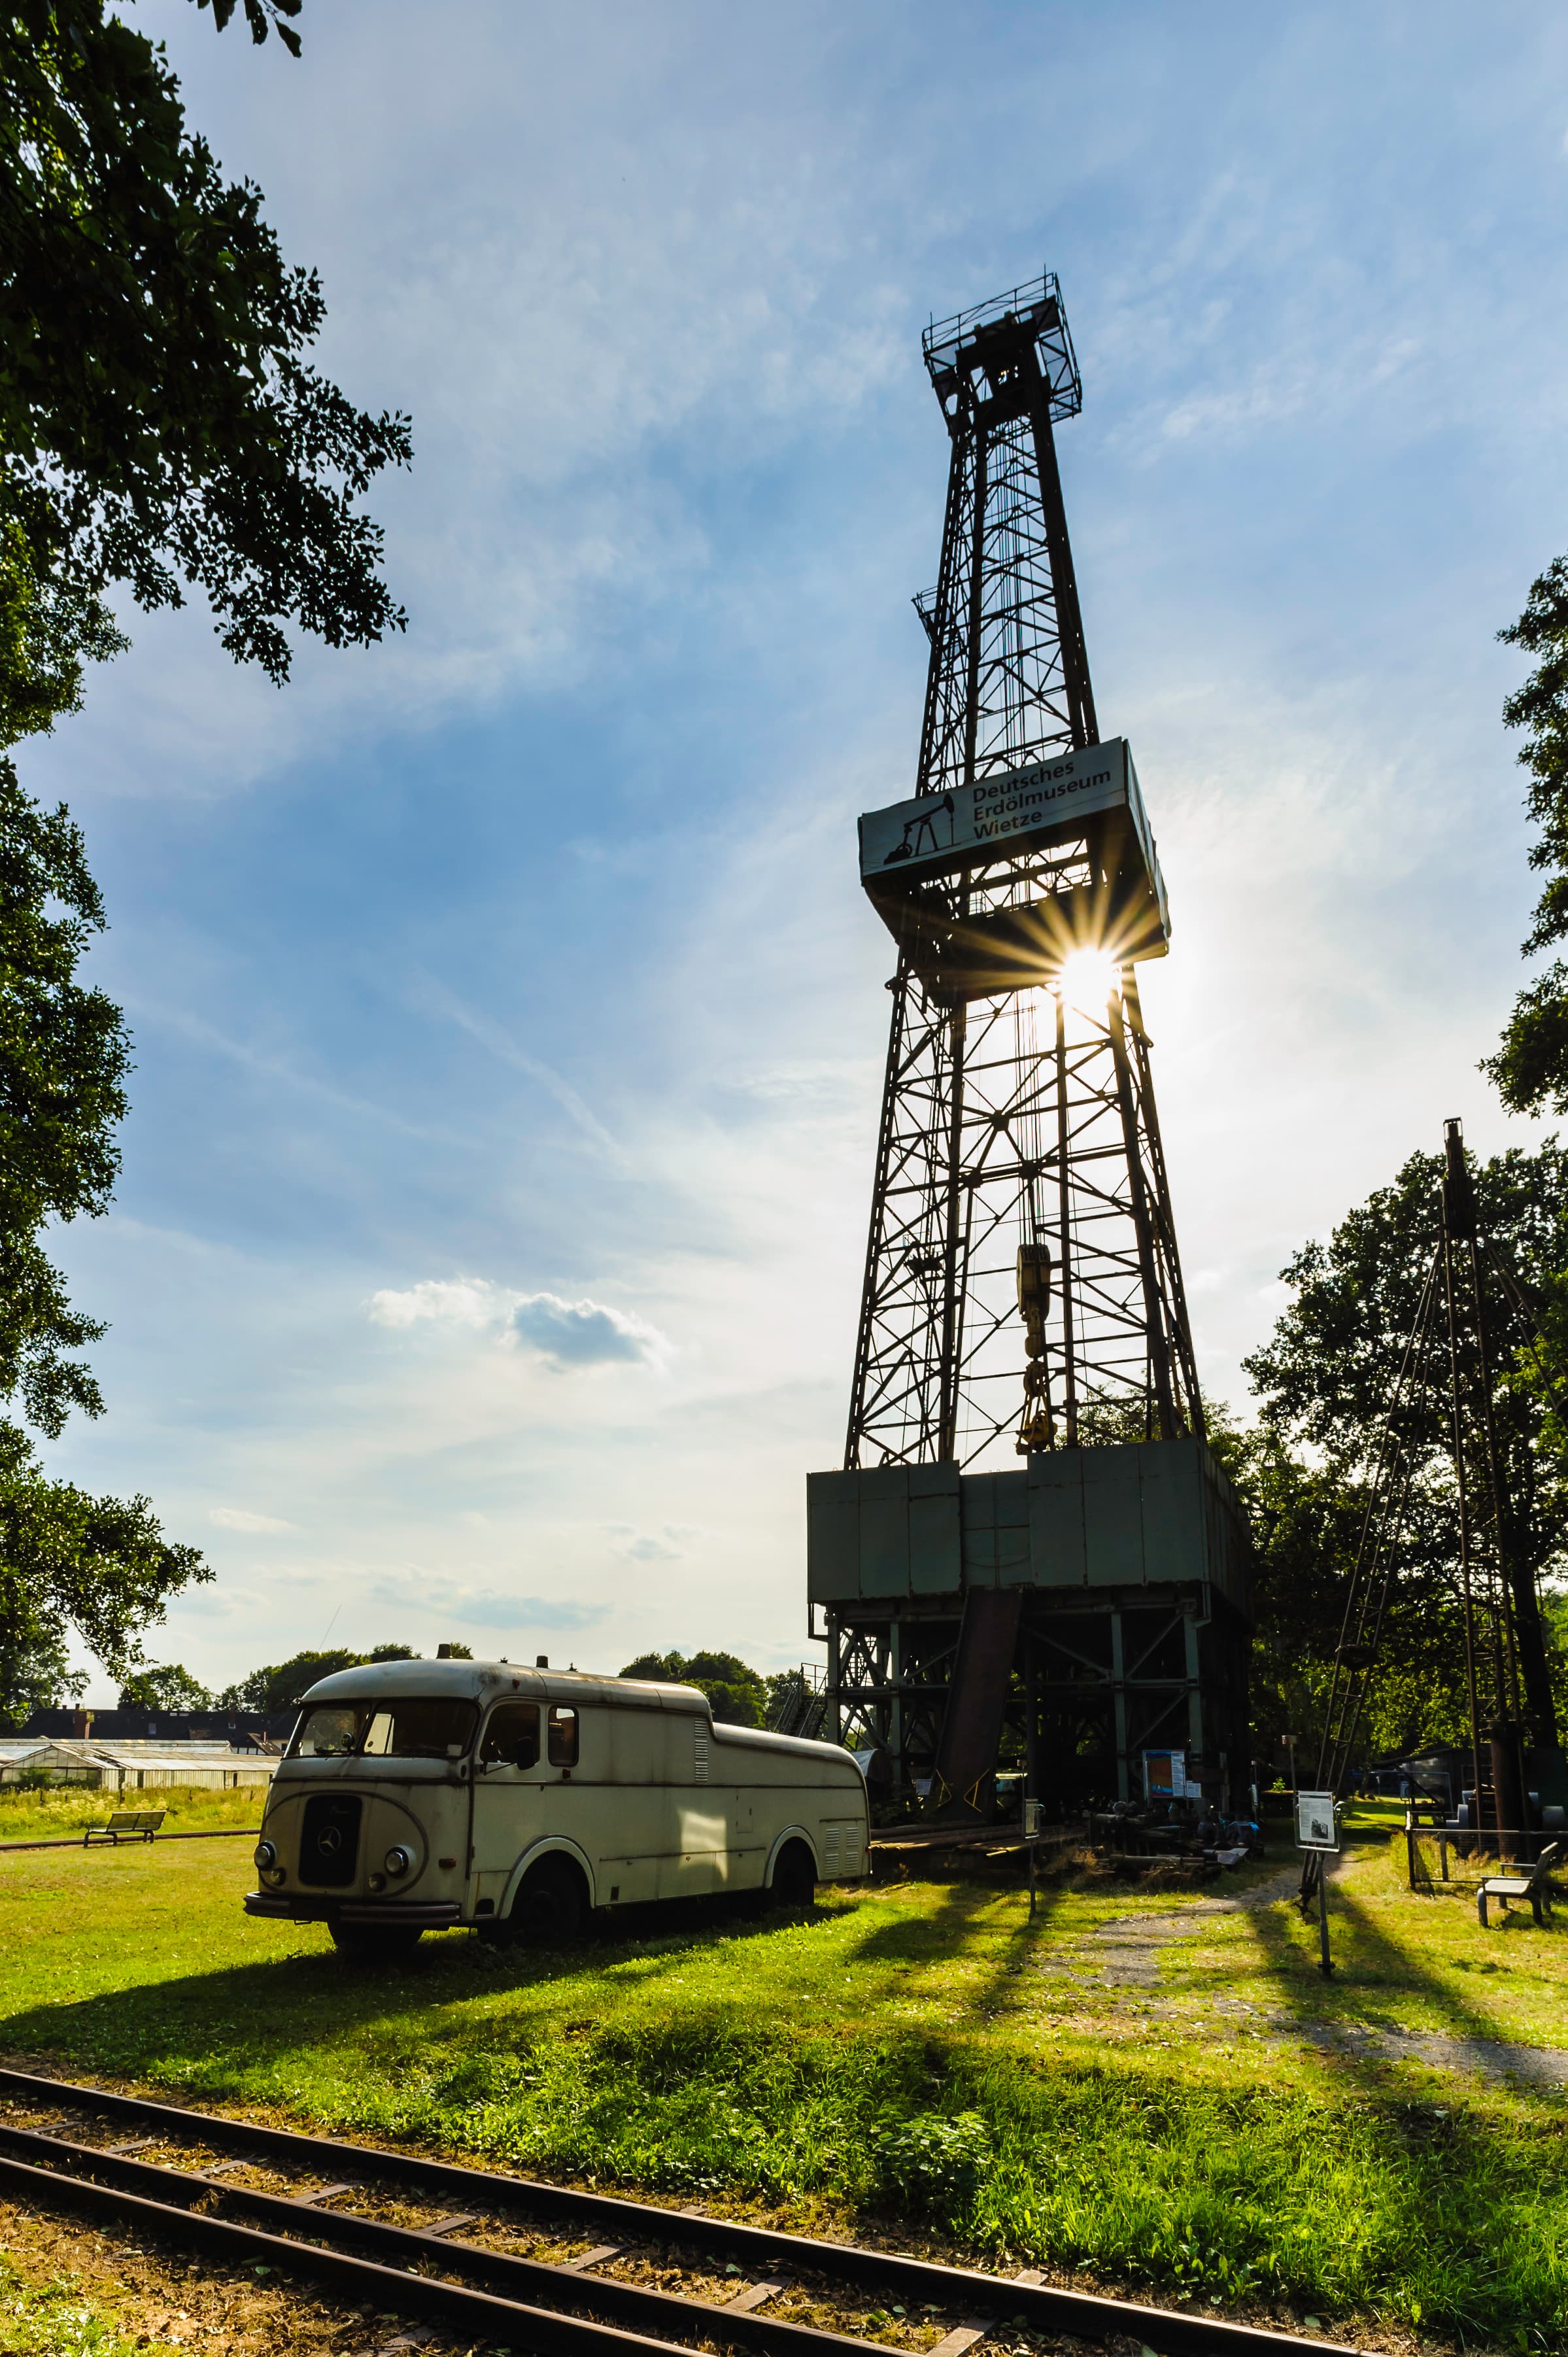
(993, 363)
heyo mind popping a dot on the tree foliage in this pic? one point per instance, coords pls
(278, 1686)
(169, 1687)
(160, 423)
(64, 1055)
(1325, 1380)
(67, 1560)
(1531, 1067)
(259, 15)
(737, 1693)
(100, 1566)
(47, 633)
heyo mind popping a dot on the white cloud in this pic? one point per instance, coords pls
(584, 1333)
(562, 1334)
(238, 1518)
(465, 1302)
(645, 1546)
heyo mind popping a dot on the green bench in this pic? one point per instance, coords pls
(1534, 1886)
(125, 1825)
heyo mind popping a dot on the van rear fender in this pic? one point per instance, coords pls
(789, 1834)
(550, 1845)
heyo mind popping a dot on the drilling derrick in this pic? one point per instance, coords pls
(1029, 1552)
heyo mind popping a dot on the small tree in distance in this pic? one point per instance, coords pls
(278, 1686)
(172, 1688)
(736, 1693)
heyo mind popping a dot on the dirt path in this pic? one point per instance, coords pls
(1124, 1954)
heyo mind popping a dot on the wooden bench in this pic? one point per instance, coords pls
(1535, 1886)
(126, 1824)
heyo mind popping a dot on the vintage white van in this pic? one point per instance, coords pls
(417, 1795)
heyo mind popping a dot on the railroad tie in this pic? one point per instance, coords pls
(450, 2225)
(754, 2296)
(594, 2258)
(222, 2168)
(962, 2336)
(321, 2194)
(137, 2144)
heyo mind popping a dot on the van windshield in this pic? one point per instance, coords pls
(408, 1727)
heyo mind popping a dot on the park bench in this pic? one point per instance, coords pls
(126, 1824)
(1535, 1886)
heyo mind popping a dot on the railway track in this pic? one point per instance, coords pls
(547, 2269)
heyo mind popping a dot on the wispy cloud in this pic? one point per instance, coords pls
(439, 999)
(647, 1546)
(239, 1518)
(472, 1606)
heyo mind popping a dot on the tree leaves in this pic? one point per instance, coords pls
(259, 15)
(1531, 1067)
(278, 1686)
(99, 1564)
(1325, 1378)
(160, 424)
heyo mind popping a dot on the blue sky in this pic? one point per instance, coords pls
(509, 1024)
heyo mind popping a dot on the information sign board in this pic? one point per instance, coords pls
(1165, 1777)
(1317, 1821)
(999, 814)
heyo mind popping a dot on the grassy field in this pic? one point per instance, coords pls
(56, 1814)
(918, 2056)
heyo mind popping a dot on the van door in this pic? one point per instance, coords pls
(507, 1799)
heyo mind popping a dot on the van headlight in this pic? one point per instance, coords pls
(265, 1855)
(398, 1861)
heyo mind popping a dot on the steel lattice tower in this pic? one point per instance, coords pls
(1021, 1116)
(1029, 1557)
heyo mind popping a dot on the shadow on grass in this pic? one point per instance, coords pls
(275, 2006)
(1370, 1958)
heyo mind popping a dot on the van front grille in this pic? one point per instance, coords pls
(329, 1847)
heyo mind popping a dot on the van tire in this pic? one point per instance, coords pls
(794, 1880)
(551, 1907)
(376, 1944)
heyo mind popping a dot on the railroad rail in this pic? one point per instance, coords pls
(238, 2191)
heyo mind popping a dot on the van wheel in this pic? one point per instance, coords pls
(376, 1942)
(794, 1877)
(549, 1909)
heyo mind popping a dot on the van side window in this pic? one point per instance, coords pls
(511, 1736)
(563, 1735)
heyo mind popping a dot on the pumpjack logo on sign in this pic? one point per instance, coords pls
(924, 832)
(1001, 814)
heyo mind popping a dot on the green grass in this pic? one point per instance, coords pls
(65, 1809)
(900, 2057)
(60, 2318)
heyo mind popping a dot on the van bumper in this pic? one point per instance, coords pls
(430, 1915)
